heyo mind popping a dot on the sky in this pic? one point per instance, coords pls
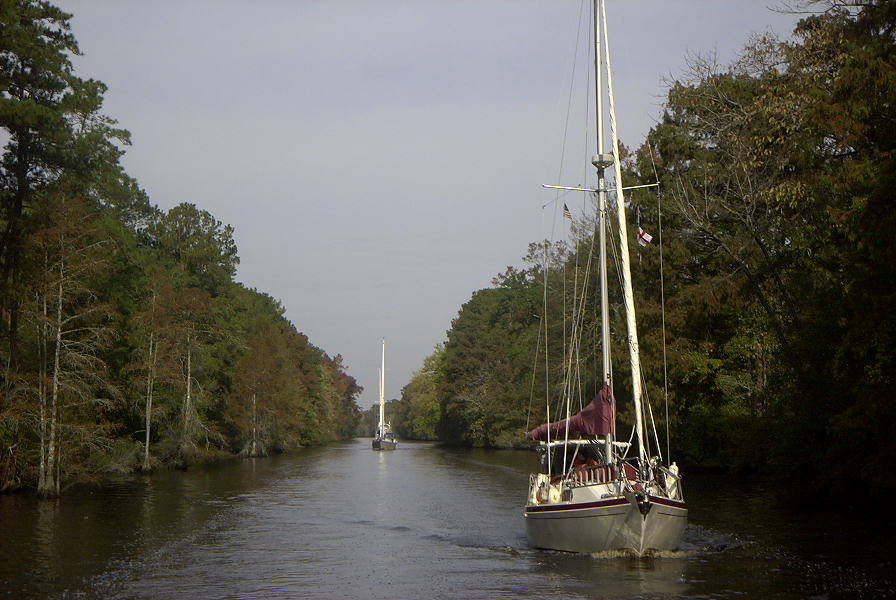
(381, 160)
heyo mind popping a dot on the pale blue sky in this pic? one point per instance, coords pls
(379, 160)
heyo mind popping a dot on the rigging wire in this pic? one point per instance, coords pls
(534, 371)
(659, 213)
(566, 343)
(546, 244)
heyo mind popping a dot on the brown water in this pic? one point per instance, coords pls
(420, 522)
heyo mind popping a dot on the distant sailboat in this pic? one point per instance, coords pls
(384, 439)
(589, 495)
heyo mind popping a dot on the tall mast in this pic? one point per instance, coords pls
(383, 391)
(628, 294)
(601, 161)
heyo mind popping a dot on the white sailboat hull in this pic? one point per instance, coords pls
(586, 524)
(379, 444)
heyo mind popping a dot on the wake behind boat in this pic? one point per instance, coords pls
(384, 438)
(589, 494)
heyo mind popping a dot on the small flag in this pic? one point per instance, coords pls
(566, 212)
(644, 238)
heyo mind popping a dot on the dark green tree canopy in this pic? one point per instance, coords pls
(137, 347)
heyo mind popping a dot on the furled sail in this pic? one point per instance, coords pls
(598, 418)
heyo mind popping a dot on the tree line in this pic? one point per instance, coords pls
(125, 341)
(774, 222)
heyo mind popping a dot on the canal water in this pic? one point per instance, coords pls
(420, 522)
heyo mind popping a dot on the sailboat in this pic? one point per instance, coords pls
(593, 492)
(384, 438)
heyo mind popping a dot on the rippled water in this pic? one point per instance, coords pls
(420, 522)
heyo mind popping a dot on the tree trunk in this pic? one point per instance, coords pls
(49, 486)
(150, 380)
(42, 335)
(254, 450)
(186, 429)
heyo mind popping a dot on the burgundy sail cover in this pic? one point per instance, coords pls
(598, 418)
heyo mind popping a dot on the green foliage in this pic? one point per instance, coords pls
(774, 164)
(275, 368)
(35, 80)
(200, 245)
(776, 314)
(485, 369)
(418, 413)
(125, 340)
